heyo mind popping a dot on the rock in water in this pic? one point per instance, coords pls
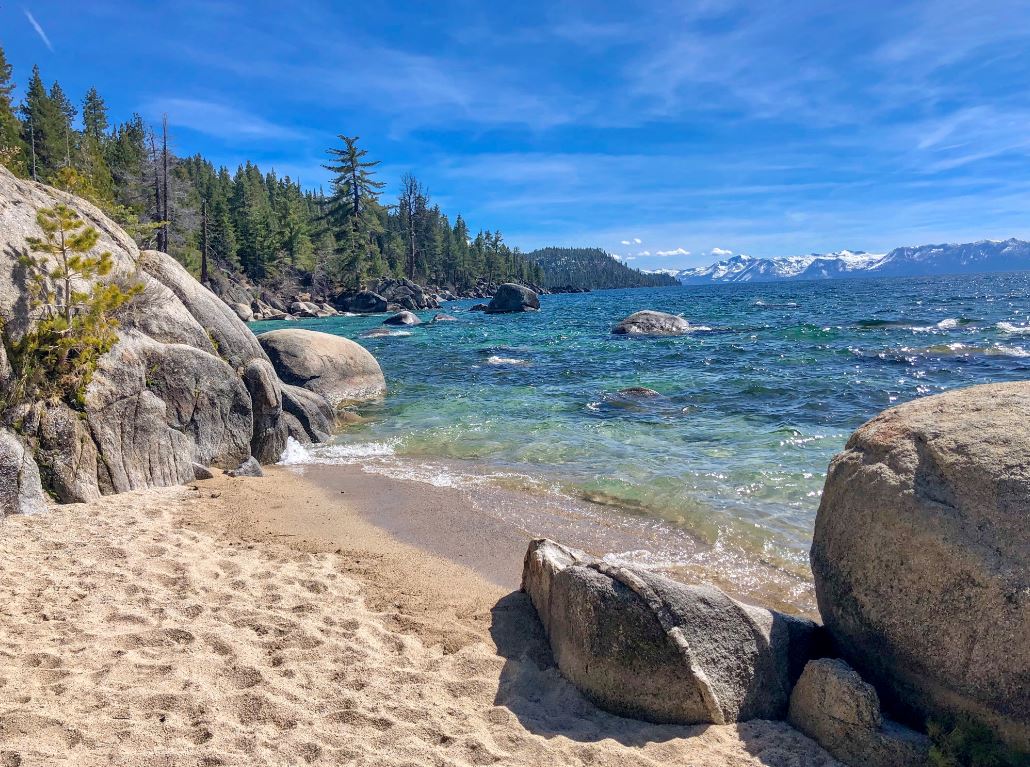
(444, 318)
(334, 367)
(364, 302)
(478, 308)
(644, 646)
(20, 489)
(249, 468)
(833, 706)
(639, 391)
(920, 556)
(512, 298)
(403, 318)
(649, 323)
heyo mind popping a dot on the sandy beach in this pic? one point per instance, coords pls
(269, 622)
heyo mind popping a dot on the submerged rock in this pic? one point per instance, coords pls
(650, 323)
(511, 297)
(639, 391)
(334, 367)
(641, 645)
(444, 318)
(478, 308)
(920, 555)
(833, 706)
(403, 318)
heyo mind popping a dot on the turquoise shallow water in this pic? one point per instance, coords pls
(754, 402)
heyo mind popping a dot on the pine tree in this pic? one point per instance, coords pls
(65, 112)
(352, 209)
(42, 129)
(94, 116)
(12, 148)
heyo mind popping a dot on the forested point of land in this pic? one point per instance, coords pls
(591, 268)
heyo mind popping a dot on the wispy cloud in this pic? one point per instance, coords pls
(720, 252)
(39, 29)
(216, 119)
(676, 252)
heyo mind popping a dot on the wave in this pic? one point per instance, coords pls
(496, 360)
(297, 454)
(1008, 327)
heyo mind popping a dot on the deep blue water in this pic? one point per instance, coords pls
(755, 401)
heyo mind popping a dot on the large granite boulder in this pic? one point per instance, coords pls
(651, 323)
(920, 556)
(513, 298)
(833, 705)
(641, 645)
(334, 367)
(403, 318)
(187, 383)
(20, 488)
(309, 416)
(362, 302)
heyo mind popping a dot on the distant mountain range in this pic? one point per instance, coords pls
(592, 268)
(970, 258)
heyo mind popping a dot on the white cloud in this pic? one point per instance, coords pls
(637, 240)
(677, 252)
(626, 242)
(630, 258)
(644, 253)
(720, 252)
(39, 30)
(219, 120)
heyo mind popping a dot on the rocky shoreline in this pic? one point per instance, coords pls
(919, 557)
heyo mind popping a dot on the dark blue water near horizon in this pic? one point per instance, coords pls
(753, 402)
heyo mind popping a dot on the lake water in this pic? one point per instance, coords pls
(753, 403)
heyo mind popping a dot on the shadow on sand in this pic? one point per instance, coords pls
(533, 689)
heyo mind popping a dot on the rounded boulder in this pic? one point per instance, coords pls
(920, 555)
(403, 318)
(651, 323)
(336, 368)
(513, 298)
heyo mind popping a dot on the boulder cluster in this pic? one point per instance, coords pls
(920, 562)
(186, 386)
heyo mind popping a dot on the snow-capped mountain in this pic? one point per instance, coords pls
(984, 256)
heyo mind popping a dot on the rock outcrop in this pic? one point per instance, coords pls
(20, 488)
(833, 706)
(920, 556)
(511, 297)
(403, 318)
(333, 367)
(641, 645)
(186, 383)
(363, 302)
(651, 323)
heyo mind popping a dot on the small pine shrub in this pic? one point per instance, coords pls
(964, 742)
(74, 310)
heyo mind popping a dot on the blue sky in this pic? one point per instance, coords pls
(663, 132)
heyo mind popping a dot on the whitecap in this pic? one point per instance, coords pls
(1009, 327)
(948, 323)
(296, 454)
(495, 360)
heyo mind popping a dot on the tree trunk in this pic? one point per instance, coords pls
(203, 244)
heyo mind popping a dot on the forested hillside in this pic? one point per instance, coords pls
(247, 219)
(591, 268)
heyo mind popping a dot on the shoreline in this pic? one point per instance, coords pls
(487, 527)
(264, 621)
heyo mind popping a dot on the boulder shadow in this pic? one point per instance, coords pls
(533, 689)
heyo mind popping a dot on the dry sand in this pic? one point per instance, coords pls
(266, 622)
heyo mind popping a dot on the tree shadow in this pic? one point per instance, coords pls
(533, 689)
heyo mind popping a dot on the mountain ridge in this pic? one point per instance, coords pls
(982, 256)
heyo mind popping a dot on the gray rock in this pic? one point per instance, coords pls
(64, 451)
(20, 488)
(244, 312)
(334, 367)
(478, 308)
(644, 646)
(312, 418)
(650, 323)
(512, 298)
(202, 472)
(403, 318)
(365, 302)
(304, 309)
(444, 318)
(249, 468)
(833, 706)
(920, 555)
(639, 391)
(269, 432)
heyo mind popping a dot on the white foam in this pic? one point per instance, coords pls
(1009, 327)
(495, 360)
(948, 323)
(297, 454)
